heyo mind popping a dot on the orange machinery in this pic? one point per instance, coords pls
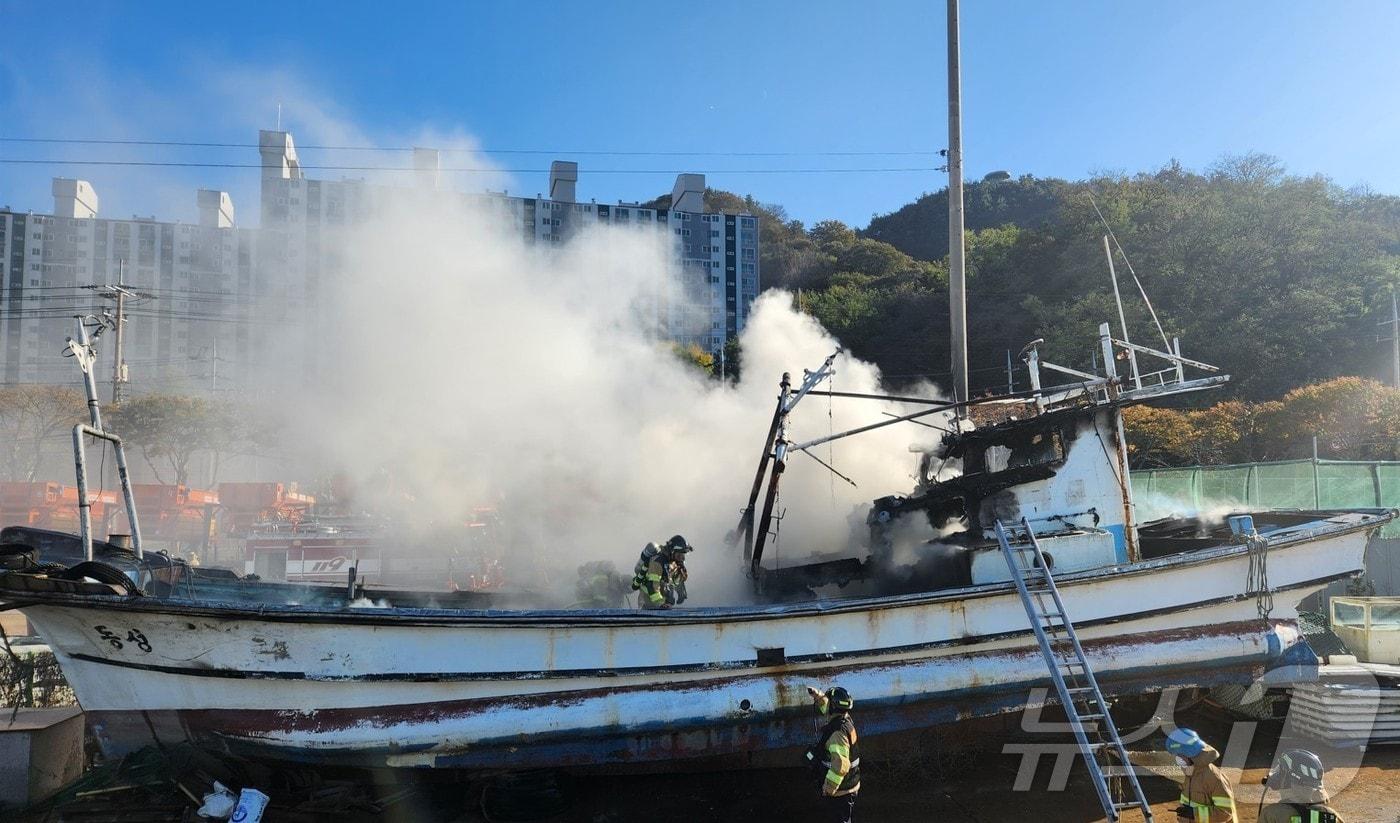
(51, 505)
(247, 504)
(170, 512)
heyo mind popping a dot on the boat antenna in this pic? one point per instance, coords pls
(1142, 291)
(957, 265)
(1122, 320)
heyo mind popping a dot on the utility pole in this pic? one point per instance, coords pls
(1394, 324)
(1395, 336)
(118, 365)
(957, 271)
(1010, 375)
(118, 293)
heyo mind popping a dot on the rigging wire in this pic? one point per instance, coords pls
(1142, 291)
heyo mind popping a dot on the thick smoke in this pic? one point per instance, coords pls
(473, 369)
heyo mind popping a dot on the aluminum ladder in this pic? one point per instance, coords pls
(1071, 673)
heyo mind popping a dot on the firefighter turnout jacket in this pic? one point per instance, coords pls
(838, 749)
(1206, 790)
(1300, 804)
(649, 578)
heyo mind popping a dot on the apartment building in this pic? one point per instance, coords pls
(214, 304)
(717, 253)
(185, 316)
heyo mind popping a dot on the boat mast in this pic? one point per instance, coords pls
(957, 274)
(82, 350)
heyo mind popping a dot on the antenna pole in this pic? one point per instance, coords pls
(1122, 320)
(957, 272)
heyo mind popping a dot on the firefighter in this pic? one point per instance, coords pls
(1206, 796)
(599, 586)
(676, 575)
(1297, 776)
(651, 578)
(836, 757)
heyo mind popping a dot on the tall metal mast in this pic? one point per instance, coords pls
(957, 273)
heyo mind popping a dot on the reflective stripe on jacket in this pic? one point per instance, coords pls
(839, 743)
(1220, 804)
(1299, 813)
(1207, 791)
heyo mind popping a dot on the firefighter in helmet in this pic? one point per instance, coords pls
(836, 757)
(1206, 796)
(658, 572)
(599, 586)
(1297, 776)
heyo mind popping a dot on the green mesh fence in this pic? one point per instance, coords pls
(1291, 484)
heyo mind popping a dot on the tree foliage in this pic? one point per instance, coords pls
(1351, 417)
(1277, 279)
(32, 417)
(695, 356)
(169, 430)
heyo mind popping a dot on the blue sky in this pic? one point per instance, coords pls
(1052, 89)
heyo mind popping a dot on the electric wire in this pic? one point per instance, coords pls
(110, 141)
(463, 169)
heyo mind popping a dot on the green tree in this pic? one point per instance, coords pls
(170, 429)
(31, 417)
(832, 233)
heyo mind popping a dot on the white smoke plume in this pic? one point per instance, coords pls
(475, 369)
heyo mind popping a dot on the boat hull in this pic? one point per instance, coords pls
(423, 687)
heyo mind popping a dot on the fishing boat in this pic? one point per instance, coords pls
(467, 680)
(424, 679)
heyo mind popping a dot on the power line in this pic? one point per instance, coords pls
(468, 169)
(110, 141)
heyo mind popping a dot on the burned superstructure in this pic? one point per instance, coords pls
(1054, 456)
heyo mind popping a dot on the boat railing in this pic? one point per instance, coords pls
(1109, 386)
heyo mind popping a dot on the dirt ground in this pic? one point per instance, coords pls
(968, 774)
(978, 783)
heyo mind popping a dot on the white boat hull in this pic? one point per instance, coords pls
(421, 687)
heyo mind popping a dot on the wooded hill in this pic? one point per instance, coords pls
(1280, 280)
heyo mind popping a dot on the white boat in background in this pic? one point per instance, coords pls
(261, 669)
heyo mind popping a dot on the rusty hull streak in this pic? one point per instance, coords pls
(793, 726)
(335, 719)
